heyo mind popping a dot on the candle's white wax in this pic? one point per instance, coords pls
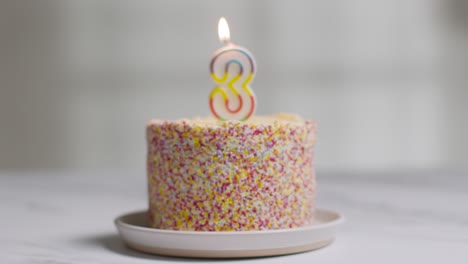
(228, 54)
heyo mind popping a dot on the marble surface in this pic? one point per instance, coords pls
(392, 217)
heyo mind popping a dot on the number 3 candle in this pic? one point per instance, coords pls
(232, 68)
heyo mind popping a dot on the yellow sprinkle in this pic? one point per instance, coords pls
(184, 214)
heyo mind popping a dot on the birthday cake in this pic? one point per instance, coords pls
(211, 175)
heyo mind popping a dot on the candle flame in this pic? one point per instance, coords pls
(223, 30)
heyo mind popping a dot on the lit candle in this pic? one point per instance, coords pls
(232, 68)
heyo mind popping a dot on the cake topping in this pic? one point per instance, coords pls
(278, 119)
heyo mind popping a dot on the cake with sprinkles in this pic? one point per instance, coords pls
(211, 175)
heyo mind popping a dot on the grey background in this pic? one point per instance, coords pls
(386, 80)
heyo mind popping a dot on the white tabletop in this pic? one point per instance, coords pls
(398, 217)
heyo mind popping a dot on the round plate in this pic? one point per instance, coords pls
(134, 231)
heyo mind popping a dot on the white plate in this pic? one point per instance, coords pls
(134, 231)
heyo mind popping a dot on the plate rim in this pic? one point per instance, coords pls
(118, 221)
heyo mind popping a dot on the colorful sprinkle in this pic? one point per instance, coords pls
(231, 176)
